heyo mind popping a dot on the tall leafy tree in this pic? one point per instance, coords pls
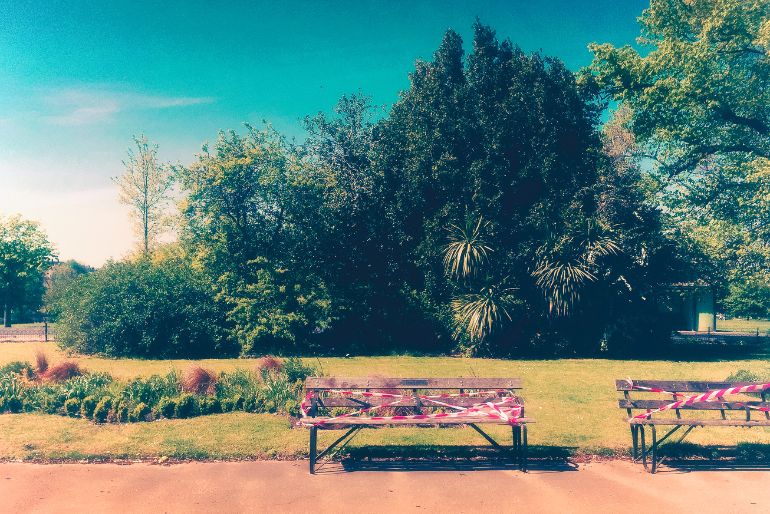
(25, 255)
(702, 89)
(144, 187)
(251, 211)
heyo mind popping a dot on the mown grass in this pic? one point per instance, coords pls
(744, 325)
(573, 401)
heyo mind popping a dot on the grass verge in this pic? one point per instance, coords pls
(573, 401)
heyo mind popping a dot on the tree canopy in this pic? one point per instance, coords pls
(25, 254)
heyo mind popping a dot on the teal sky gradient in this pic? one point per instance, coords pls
(78, 78)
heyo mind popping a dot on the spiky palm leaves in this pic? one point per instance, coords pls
(466, 258)
(563, 272)
(467, 251)
(477, 315)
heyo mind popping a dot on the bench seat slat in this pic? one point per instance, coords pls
(425, 404)
(443, 421)
(316, 383)
(702, 422)
(656, 404)
(680, 386)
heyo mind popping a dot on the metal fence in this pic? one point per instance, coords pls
(42, 332)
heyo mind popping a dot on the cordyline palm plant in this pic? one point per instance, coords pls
(466, 258)
(467, 252)
(562, 271)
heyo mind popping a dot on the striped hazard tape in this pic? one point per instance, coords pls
(714, 395)
(507, 409)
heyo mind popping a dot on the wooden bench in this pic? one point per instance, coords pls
(743, 410)
(323, 394)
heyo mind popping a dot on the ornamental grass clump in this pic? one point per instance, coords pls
(198, 380)
(41, 363)
(63, 371)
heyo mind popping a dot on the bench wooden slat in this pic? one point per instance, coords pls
(702, 422)
(425, 404)
(656, 404)
(444, 421)
(316, 383)
(679, 386)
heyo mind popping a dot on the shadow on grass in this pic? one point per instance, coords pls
(449, 458)
(687, 457)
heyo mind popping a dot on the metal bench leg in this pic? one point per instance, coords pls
(524, 448)
(644, 447)
(516, 430)
(635, 442)
(313, 448)
(654, 451)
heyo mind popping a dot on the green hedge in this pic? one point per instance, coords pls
(98, 397)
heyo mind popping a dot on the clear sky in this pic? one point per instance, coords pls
(79, 78)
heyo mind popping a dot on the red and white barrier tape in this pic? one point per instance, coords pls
(508, 409)
(709, 396)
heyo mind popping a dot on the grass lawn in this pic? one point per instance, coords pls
(573, 401)
(744, 325)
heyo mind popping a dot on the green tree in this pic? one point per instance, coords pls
(25, 255)
(144, 187)
(58, 279)
(161, 308)
(251, 210)
(701, 91)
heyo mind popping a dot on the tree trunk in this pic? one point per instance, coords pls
(6, 315)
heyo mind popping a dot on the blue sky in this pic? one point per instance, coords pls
(79, 78)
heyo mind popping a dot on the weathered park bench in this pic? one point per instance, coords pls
(414, 402)
(705, 404)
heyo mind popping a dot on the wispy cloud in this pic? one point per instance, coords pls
(84, 106)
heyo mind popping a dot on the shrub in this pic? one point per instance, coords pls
(14, 405)
(63, 371)
(41, 362)
(210, 405)
(296, 370)
(170, 301)
(150, 390)
(89, 384)
(743, 375)
(72, 407)
(87, 406)
(186, 406)
(139, 412)
(102, 409)
(269, 364)
(19, 368)
(232, 404)
(167, 407)
(199, 380)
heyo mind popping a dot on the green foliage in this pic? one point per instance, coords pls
(102, 409)
(249, 204)
(72, 407)
(87, 406)
(167, 407)
(22, 368)
(749, 298)
(296, 370)
(186, 406)
(25, 255)
(701, 89)
(139, 412)
(143, 309)
(58, 280)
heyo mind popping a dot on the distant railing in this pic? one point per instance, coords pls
(43, 332)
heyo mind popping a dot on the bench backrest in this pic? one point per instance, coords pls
(317, 386)
(742, 403)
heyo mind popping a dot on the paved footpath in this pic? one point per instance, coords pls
(613, 486)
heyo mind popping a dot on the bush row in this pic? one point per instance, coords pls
(197, 392)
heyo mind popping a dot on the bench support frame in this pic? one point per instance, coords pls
(652, 452)
(518, 431)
